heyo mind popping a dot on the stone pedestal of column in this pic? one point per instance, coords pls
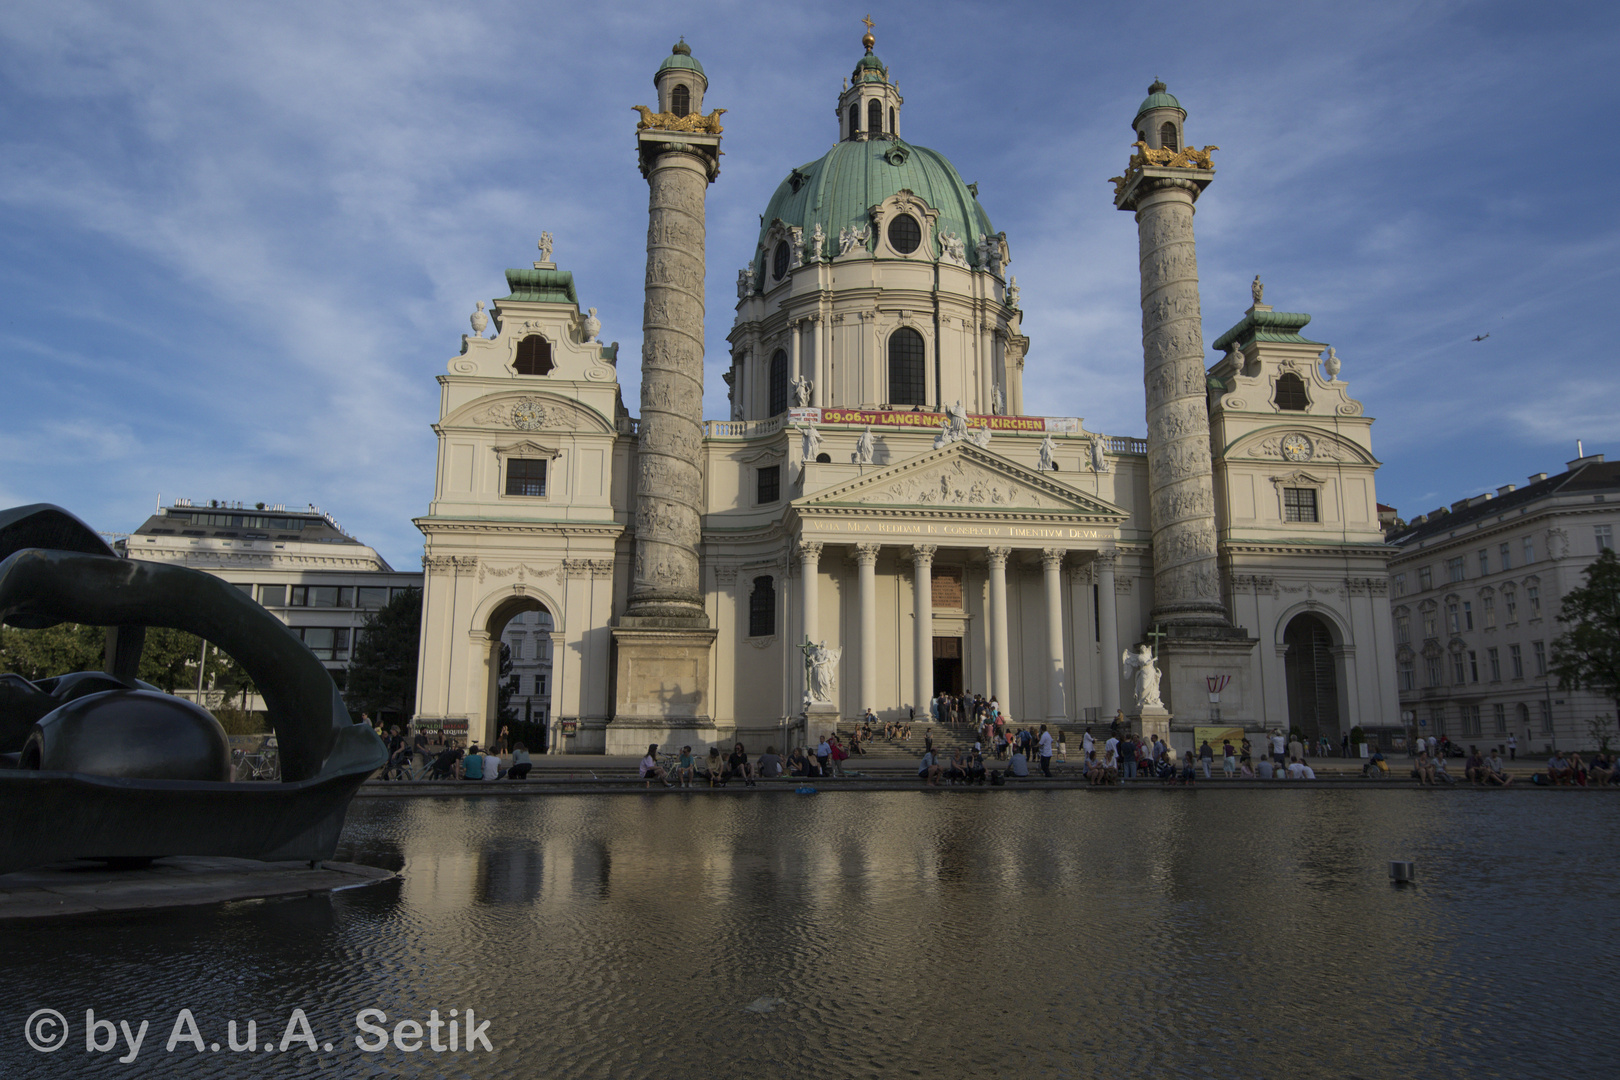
(1150, 721)
(821, 718)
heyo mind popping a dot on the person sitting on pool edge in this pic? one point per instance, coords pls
(737, 765)
(685, 768)
(472, 766)
(650, 769)
(929, 769)
(770, 766)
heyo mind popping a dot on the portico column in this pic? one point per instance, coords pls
(922, 564)
(809, 606)
(1000, 669)
(1052, 564)
(1108, 632)
(866, 556)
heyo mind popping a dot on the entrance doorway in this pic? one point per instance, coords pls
(948, 665)
(519, 689)
(1313, 680)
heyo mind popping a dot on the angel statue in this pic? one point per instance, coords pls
(864, 448)
(812, 441)
(801, 391)
(1099, 461)
(1142, 667)
(820, 670)
(1257, 290)
(745, 282)
(1048, 450)
(818, 240)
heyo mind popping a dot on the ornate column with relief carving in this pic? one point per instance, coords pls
(922, 588)
(1181, 490)
(663, 638)
(866, 556)
(1000, 664)
(1052, 566)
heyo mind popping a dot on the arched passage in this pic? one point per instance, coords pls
(519, 686)
(1312, 673)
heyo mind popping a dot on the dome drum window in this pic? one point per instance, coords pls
(908, 361)
(779, 260)
(778, 383)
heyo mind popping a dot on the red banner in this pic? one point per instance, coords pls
(890, 418)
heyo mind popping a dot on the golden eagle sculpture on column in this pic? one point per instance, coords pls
(664, 121)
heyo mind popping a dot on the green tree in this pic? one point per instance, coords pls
(1587, 655)
(506, 686)
(382, 674)
(57, 650)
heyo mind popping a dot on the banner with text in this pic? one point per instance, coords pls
(930, 420)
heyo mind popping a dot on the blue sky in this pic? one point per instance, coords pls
(238, 241)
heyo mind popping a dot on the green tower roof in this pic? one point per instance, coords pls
(541, 286)
(1266, 326)
(1158, 98)
(680, 57)
(838, 189)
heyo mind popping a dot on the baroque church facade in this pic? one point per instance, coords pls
(880, 518)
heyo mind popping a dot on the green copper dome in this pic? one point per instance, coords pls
(1158, 98)
(870, 69)
(837, 190)
(680, 57)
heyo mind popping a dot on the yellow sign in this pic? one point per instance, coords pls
(1214, 736)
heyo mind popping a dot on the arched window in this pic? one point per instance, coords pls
(1291, 392)
(907, 384)
(762, 608)
(1142, 136)
(854, 120)
(779, 382)
(534, 356)
(680, 100)
(874, 116)
(1167, 136)
(892, 130)
(779, 260)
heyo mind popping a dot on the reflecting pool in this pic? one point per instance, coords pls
(943, 934)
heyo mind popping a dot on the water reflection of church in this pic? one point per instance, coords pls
(1005, 553)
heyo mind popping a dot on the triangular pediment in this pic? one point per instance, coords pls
(961, 477)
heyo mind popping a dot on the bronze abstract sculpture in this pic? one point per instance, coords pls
(104, 766)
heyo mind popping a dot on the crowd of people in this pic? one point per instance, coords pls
(1122, 756)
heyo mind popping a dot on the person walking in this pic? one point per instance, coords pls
(1513, 747)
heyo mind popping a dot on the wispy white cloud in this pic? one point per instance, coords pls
(244, 238)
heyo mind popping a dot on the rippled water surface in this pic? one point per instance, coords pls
(938, 934)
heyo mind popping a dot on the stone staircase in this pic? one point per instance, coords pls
(947, 738)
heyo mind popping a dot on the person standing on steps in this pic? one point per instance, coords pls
(1046, 752)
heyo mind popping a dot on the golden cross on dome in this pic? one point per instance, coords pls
(868, 23)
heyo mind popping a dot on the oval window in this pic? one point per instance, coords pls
(905, 234)
(779, 261)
